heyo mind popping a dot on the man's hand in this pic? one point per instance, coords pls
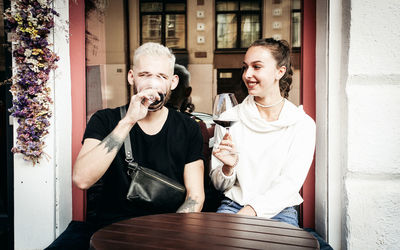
(189, 206)
(193, 178)
(247, 210)
(139, 104)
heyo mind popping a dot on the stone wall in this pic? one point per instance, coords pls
(372, 172)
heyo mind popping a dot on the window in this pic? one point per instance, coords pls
(238, 23)
(163, 22)
(296, 24)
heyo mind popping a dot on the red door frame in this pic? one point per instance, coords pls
(78, 90)
(308, 43)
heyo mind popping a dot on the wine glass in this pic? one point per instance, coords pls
(157, 83)
(223, 102)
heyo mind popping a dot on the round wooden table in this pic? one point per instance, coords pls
(201, 231)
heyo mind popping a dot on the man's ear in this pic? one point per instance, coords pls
(281, 72)
(130, 76)
(175, 81)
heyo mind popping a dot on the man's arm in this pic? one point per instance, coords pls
(193, 178)
(96, 156)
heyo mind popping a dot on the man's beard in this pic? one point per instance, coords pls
(167, 95)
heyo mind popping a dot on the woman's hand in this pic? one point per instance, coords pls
(226, 153)
(247, 210)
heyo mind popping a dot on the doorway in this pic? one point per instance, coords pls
(229, 81)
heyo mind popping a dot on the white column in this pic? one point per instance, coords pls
(331, 73)
(42, 193)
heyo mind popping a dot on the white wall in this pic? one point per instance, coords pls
(372, 176)
(42, 194)
(358, 115)
(201, 79)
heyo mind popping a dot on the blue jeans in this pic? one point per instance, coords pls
(288, 215)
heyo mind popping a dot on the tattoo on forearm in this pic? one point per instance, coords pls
(111, 142)
(188, 206)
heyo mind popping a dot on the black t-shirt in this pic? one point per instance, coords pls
(179, 142)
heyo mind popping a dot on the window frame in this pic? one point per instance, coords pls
(163, 14)
(292, 11)
(239, 14)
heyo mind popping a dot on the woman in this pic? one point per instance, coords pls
(263, 161)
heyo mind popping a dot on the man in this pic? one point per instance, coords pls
(163, 140)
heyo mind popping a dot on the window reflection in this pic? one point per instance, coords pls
(296, 36)
(250, 27)
(175, 31)
(164, 22)
(151, 28)
(238, 23)
(244, 5)
(226, 30)
(226, 6)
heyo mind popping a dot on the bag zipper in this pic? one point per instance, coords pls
(166, 182)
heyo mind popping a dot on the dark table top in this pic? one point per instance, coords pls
(202, 231)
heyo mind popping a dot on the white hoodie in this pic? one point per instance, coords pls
(274, 157)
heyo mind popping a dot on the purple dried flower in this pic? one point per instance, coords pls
(31, 95)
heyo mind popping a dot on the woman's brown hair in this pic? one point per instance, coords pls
(281, 52)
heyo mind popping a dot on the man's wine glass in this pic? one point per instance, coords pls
(224, 102)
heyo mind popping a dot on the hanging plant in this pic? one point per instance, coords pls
(30, 22)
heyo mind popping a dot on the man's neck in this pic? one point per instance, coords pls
(154, 121)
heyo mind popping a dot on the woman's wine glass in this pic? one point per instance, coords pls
(224, 102)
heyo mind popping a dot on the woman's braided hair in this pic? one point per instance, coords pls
(281, 52)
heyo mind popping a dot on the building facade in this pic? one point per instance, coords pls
(357, 84)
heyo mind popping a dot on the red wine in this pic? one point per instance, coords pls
(157, 104)
(224, 123)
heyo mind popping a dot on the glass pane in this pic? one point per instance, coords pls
(175, 31)
(296, 4)
(175, 7)
(226, 6)
(151, 7)
(151, 28)
(250, 29)
(226, 31)
(296, 36)
(253, 5)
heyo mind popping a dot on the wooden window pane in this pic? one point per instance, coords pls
(151, 7)
(175, 31)
(296, 36)
(227, 6)
(250, 29)
(175, 6)
(226, 31)
(151, 28)
(296, 4)
(244, 5)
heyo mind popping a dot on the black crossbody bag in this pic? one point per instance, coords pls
(150, 187)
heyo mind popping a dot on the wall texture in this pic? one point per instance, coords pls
(372, 175)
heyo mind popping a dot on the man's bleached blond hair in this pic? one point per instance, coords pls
(154, 49)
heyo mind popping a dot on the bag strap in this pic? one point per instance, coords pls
(127, 142)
